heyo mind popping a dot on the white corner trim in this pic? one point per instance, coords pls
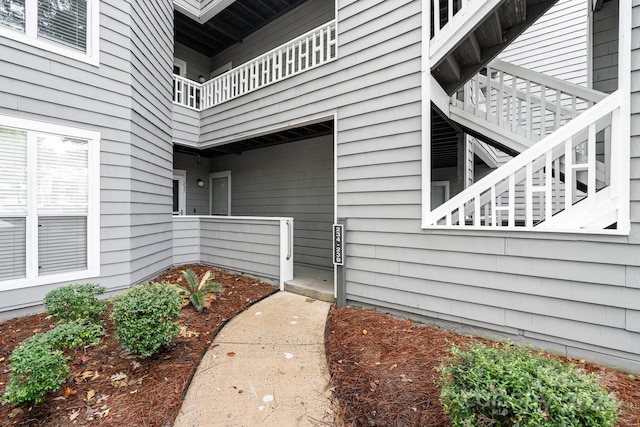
(425, 78)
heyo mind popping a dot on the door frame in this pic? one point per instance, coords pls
(221, 174)
(180, 175)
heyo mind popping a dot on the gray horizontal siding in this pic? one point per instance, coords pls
(291, 180)
(605, 48)
(186, 241)
(151, 150)
(556, 44)
(246, 246)
(126, 106)
(186, 126)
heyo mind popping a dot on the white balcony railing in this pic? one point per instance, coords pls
(310, 50)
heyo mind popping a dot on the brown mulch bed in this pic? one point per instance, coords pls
(382, 370)
(150, 391)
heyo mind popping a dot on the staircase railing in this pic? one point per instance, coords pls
(308, 51)
(546, 174)
(523, 101)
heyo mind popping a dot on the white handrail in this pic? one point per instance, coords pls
(308, 51)
(573, 145)
(522, 101)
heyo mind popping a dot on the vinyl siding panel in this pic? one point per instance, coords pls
(288, 180)
(246, 246)
(556, 44)
(186, 240)
(151, 151)
(186, 126)
(40, 85)
(605, 48)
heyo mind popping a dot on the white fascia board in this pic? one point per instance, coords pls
(199, 13)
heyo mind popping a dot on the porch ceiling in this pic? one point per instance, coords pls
(282, 137)
(230, 26)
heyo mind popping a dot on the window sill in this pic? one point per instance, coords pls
(52, 47)
(64, 278)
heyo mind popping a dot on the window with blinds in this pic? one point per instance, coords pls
(12, 14)
(48, 200)
(63, 22)
(67, 27)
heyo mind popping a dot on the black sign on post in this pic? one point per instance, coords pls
(338, 240)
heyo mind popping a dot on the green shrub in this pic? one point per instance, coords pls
(36, 369)
(511, 386)
(144, 317)
(73, 334)
(198, 288)
(74, 302)
(38, 365)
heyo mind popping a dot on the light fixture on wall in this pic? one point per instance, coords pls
(202, 79)
(200, 182)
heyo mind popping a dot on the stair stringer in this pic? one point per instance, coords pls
(598, 212)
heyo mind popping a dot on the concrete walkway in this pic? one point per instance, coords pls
(266, 367)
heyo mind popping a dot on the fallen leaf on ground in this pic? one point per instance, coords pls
(68, 392)
(231, 354)
(186, 333)
(74, 414)
(15, 412)
(405, 379)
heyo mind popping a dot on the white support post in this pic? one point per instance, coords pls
(591, 161)
(286, 251)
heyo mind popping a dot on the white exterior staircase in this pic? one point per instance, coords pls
(563, 136)
(469, 33)
(558, 174)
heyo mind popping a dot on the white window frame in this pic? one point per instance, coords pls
(93, 206)
(182, 64)
(180, 175)
(212, 176)
(30, 36)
